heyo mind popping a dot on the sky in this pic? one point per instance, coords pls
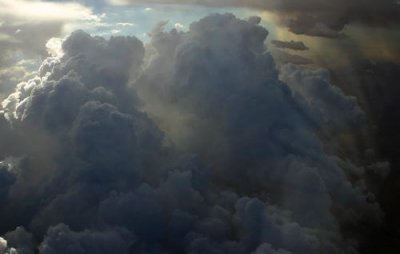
(199, 126)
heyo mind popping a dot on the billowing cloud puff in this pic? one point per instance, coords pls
(315, 89)
(192, 143)
(3, 245)
(60, 239)
(21, 240)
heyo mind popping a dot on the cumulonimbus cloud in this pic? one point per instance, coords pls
(192, 143)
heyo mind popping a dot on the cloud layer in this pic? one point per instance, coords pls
(311, 17)
(192, 143)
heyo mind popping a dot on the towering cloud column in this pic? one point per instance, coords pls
(190, 144)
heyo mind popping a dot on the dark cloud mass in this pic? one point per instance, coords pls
(193, 143)
(294, 45)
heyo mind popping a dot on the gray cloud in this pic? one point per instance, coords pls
(21, 240)
(315, 88)
(192, 143)
(294, 45)
(60, 239)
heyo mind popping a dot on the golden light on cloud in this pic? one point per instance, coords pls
(323, 51)
(377, 43)
(268, 17)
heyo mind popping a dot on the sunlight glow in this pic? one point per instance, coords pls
(43, 11)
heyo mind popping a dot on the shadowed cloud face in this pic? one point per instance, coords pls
(193, 143)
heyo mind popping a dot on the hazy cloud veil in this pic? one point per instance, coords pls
(192, 143)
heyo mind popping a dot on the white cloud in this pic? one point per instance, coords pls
(179, 26)
(3, 245)
(44, 11)
(54, 47)
(125, 24)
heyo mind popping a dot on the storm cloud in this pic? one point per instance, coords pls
(192, 143)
